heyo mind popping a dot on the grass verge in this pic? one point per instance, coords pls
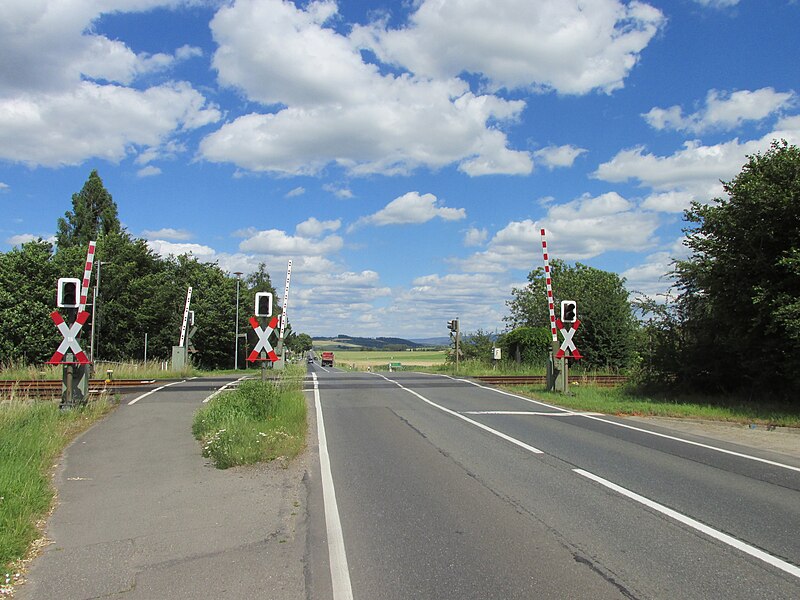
(256, 422)
(624, 401)
(32, 436)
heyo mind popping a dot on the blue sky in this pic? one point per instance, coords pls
(404, 154)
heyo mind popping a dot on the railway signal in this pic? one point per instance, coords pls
(68, 292)
(569, 311)
(263, 304)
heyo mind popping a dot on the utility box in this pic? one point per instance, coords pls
(179, 358)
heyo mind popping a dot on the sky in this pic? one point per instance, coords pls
(403, 154)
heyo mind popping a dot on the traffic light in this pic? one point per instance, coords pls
(191, 318)
(569, 311)
(453, 325)
(263, 304)
(69, 289)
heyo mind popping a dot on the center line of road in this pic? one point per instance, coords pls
(135, 400)
(717, 535)
(499, 434)
(340, 573)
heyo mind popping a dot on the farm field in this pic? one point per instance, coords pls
(361, 359)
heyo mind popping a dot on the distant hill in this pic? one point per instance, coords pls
(434, 341)
(347, 342)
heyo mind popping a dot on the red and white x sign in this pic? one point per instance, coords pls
(70, 341)
(568, 344)
(263, 340)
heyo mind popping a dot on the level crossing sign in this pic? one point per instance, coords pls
(568, 344)
(70, 341)
(263, 340)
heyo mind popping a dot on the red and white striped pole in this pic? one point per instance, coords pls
(87, 276)
(548, 280)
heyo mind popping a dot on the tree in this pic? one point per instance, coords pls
(299, 343)
(478, 346)
(607, 333)
(739, 290)
(527, 345)
(93, 215)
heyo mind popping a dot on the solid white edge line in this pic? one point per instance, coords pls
(499, 434)
(340, 574)
(224, 387)
(717, 535)
(527, 412)
(647, 431)
(135, 400)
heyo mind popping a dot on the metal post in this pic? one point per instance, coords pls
(145, 348)
(236, 338)
(458, 341)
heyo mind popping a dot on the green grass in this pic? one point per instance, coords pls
(126, 370)
(624, 401)
(257, 422)
(32, 436)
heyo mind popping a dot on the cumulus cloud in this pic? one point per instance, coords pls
(168, 233)
(4, 187)
(576, 230)
(148, 171)
(413, 208)
(332, 107)
(167, 248)
(314, 228)
(722, 111)
(59, 79)
(277, 242)
(570, 46)
(22, 238)
(475, 237)
(558, 156)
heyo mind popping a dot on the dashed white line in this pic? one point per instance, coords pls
(135, 400)
(697, 525)
(340, 573)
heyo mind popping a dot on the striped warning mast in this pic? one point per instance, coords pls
(87, 276)
(548, 280)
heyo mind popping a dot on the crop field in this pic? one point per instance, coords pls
(361, 359)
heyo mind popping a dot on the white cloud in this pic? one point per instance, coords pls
(312, 228)
(276, 242)
(22, 238)
(571, 46)
(50, 130)
(651, 277)
(475, 237)
(696, 169)
(717, 3)
(576, 230)
(168, 233)
(413, 208)
(295, 192)
(558, 156)
(166, 248)
(59, 80)
(723, 111)
(671, 202)
(332, 107)
(337, 191)
(148, 171)
(4, 187)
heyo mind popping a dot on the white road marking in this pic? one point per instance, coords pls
(340, 574)
(135, 400)
(717, 535)
(499, 434)
(528, 412)
(224, 387)
(639, 429)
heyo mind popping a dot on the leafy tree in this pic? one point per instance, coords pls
(478, 346)
(299, 343)
(607, 333)
(93, 215)
(740, 287)
(527, 345)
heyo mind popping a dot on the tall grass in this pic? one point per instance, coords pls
(18, 371)
(627, 401)
(32, 435)
(256, 422)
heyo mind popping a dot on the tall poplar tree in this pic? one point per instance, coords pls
(93, 215)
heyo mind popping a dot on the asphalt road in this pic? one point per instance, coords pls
(446, 489)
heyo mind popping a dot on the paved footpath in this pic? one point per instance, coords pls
(142, 515)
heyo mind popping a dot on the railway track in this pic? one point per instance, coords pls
(51, 388)
(597, 380)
